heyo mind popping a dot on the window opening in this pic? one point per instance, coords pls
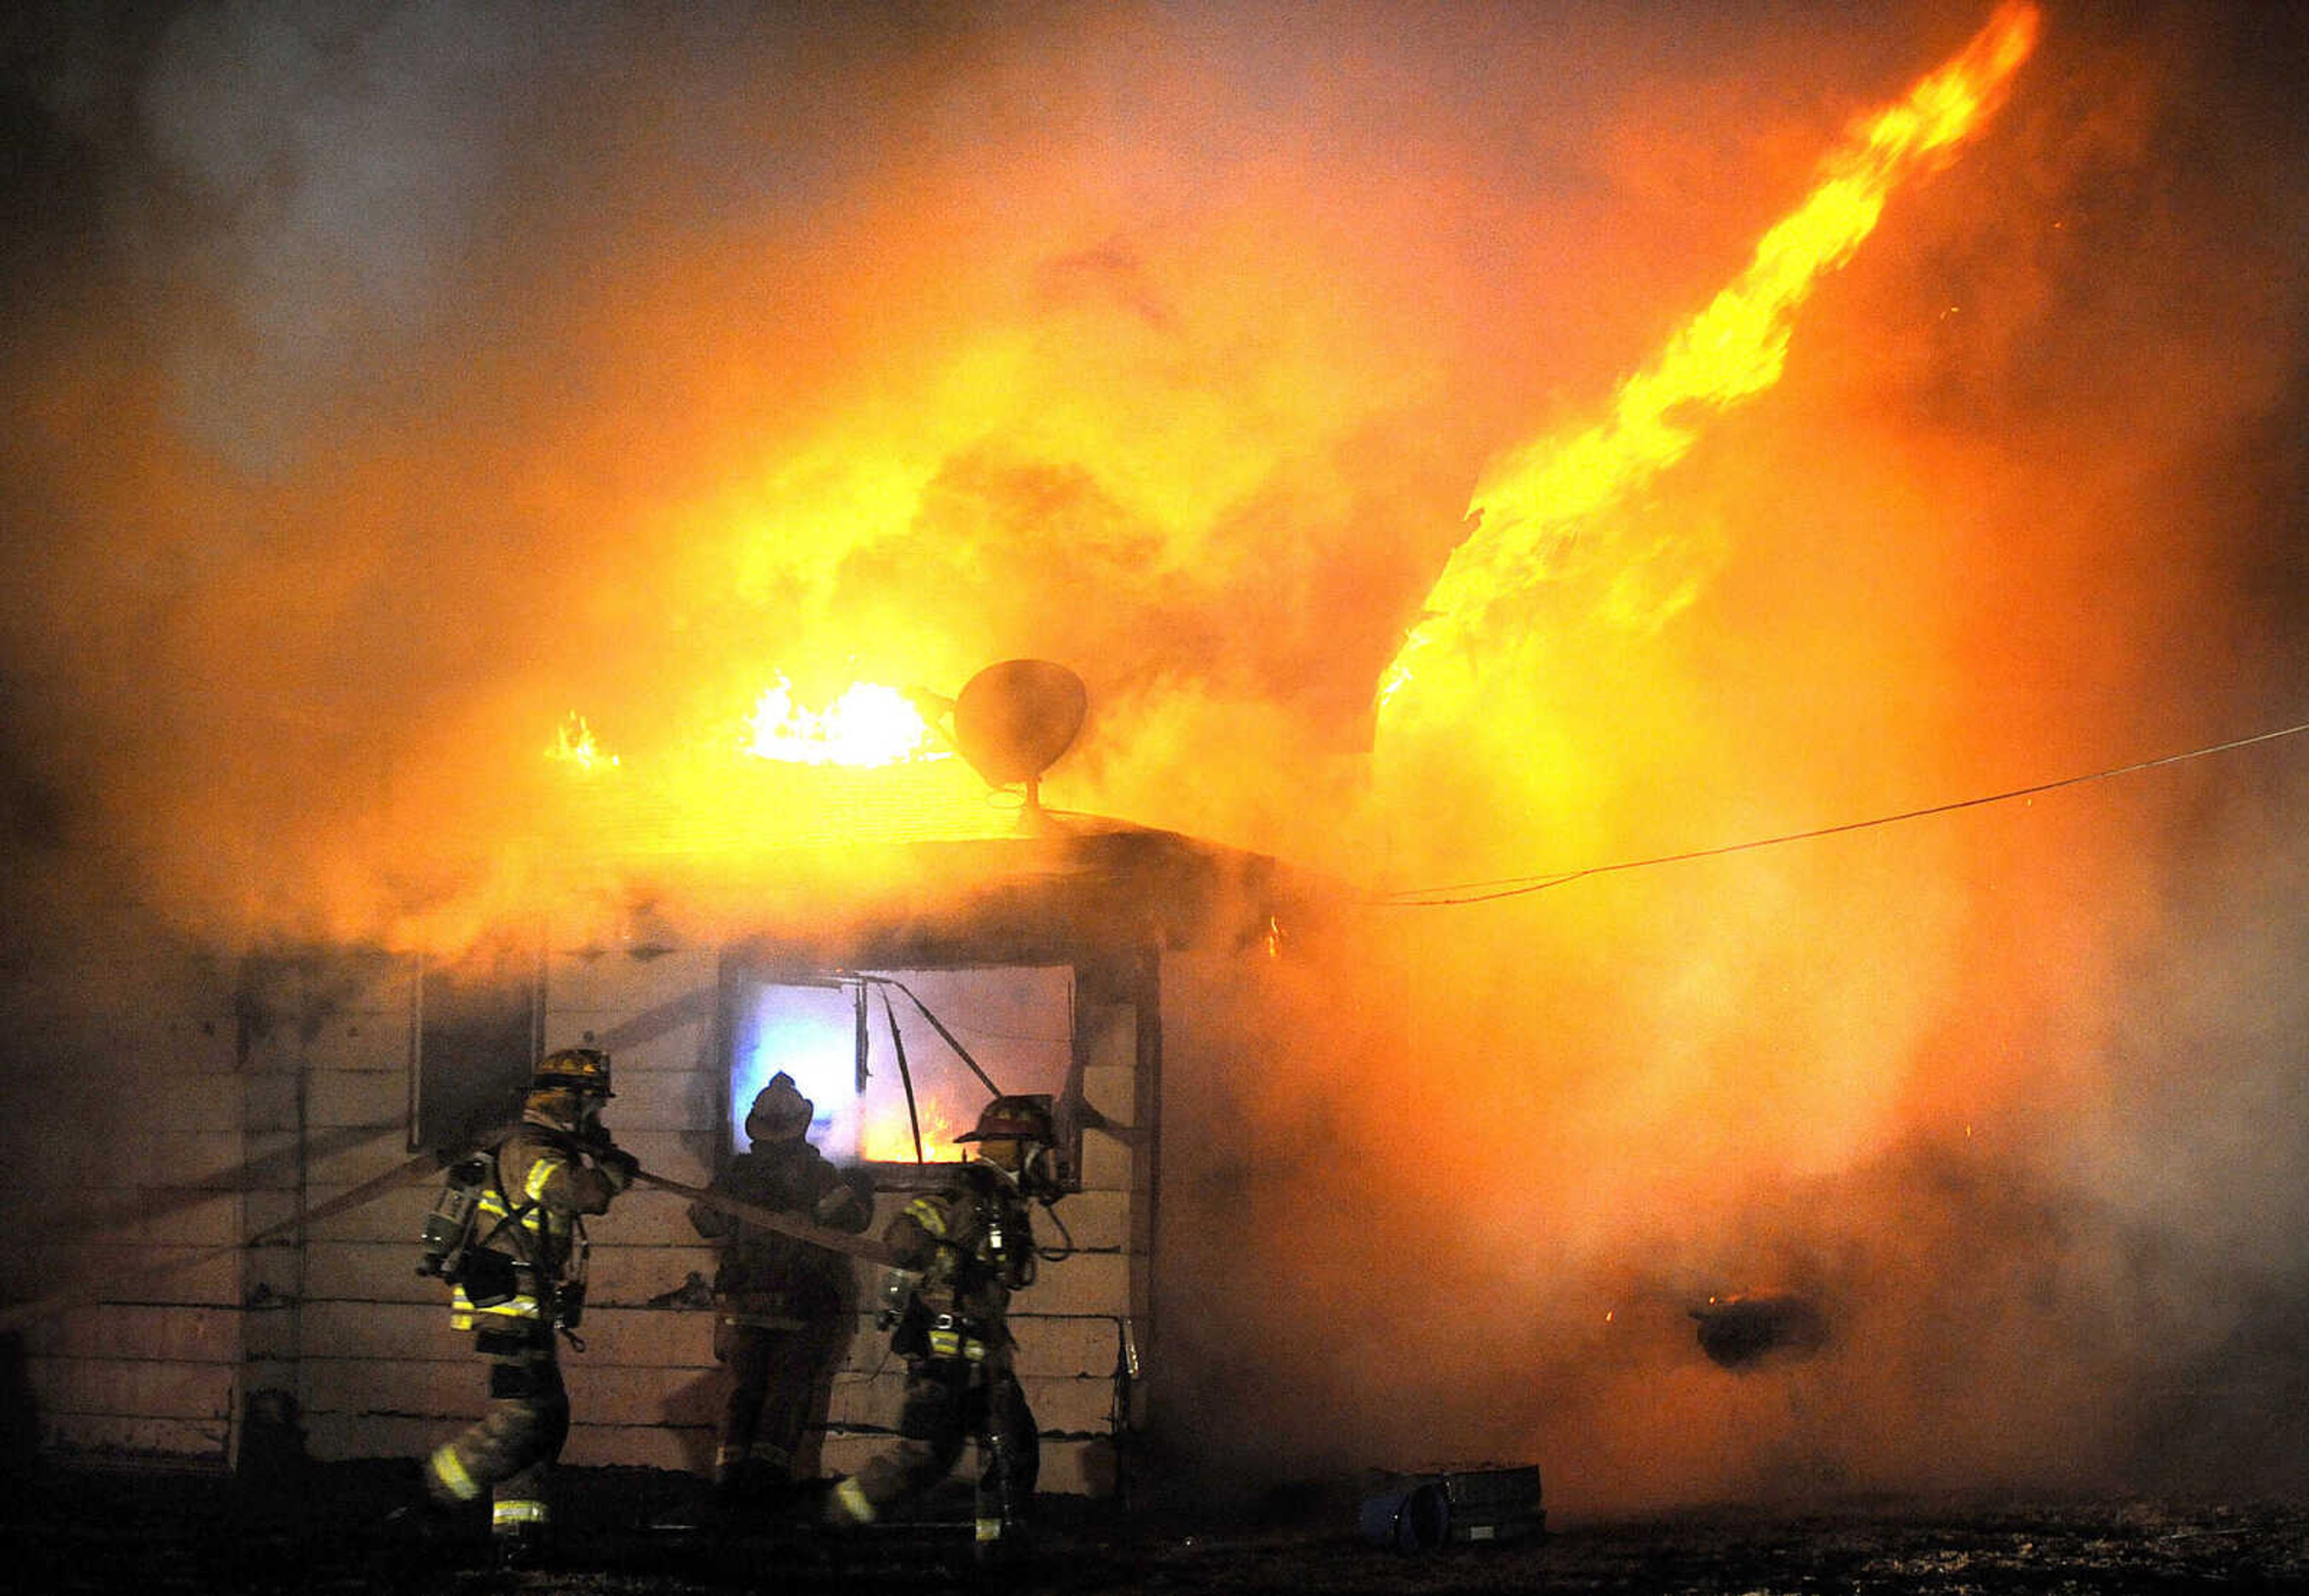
(473, 1038)
(857, 1043)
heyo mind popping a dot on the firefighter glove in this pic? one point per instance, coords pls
(618, 1164)
(898, 1285)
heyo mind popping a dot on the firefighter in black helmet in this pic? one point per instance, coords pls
(784, 1308)
(964, 1251)
(522, 1279)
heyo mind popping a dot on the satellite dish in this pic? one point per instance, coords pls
(1012, 721)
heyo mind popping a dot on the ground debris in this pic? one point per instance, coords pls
(324, 1531)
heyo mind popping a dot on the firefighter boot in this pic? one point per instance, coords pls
(433, 1524)
(417, 1545)
(519, 1546)
(1001, 1546)
(424, 1526)
(846, 1507)
(519, 1529)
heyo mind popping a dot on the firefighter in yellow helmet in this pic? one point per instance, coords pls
(783, 1307)
(521, 1281)
(962, 1252)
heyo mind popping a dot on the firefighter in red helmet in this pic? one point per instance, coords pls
(784, 1308)
(521, 1280)
(964, 1251)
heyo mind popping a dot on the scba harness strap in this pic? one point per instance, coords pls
(948, 1336)
(483, 1291)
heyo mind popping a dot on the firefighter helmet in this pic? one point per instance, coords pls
(574, 1069)
(1014, 1119)
(780, 1112)
(1017, 1135)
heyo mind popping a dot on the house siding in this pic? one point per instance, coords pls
(201, 1169)
(367, 1349)
(121, 1160)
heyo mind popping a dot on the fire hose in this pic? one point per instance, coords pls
(15, 1316)
(770, 1219)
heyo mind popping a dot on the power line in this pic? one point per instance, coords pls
(1427, 897)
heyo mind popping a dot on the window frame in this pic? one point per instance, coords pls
(498, 1076)
(742, 977)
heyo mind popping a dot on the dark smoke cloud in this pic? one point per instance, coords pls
(384, 383)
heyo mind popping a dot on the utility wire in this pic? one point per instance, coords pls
(1428, 898)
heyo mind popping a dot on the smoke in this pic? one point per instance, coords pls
(1994, 1090)
(383, 385)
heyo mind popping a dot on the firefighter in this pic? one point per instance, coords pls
(783, 1307)
(522, 1280)
(964, 1252)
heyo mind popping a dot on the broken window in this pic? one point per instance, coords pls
(474, 1036)
(899, 1063)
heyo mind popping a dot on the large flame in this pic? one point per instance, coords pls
(1532, 498)
(868, 725)
(1146, 339)
(887, 1136)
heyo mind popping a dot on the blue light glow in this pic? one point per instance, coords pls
(811, 1033)
(1017, 1022)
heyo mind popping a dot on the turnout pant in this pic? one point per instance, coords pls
(950, 1401)
(774, 1372)
(511, 1449)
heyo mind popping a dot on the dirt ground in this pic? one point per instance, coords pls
(324, 1529)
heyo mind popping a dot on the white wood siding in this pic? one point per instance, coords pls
(203, 1138)
(122, 1118)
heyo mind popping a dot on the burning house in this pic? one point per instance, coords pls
(1477, 453)
(251, 1289)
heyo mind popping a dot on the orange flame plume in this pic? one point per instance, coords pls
(888, 1136)
(1530, 500)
